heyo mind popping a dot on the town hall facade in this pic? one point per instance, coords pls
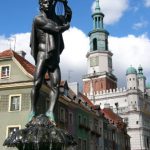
(100, 86)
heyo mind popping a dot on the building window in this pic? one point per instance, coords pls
(95, 125)
(12, 128)
(62, 114)
(80, 119)
(126, 120)
(95, 22)
(84, 143)
(85, 121)
(109, 62)
(79, 144)
(101, 85)
(70, 118)
(137, 122)
(5, 72)
(98, 23)
(15, 102)
(147, 142)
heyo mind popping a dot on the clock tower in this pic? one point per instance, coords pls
(99, 75)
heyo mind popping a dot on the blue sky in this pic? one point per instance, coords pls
(16, 17)
(126, 20)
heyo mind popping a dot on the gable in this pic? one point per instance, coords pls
(16, 72)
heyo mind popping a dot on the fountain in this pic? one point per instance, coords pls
(41, 132)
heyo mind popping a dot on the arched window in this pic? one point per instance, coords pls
(94, 44)
(96, 23)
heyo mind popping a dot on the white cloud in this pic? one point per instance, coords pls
(129, 50)
(139, 25)
(4, 43)
(72, 59)
(147, 3)
(17, 42)
(113, 10)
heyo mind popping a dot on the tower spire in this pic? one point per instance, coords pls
(97, 16)
(97, 7)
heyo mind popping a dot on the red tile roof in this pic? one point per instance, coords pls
(6, 54)
(113, 118)
(24, 63)
(86, 100)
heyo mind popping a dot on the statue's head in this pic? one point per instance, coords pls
(44, 4)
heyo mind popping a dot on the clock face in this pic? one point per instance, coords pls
(94, 61)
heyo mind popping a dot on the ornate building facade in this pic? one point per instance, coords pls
(100, 86)
(74, 112)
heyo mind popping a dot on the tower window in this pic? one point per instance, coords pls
(99, 22)
(94, 44)
(110, 62)
(101, 85)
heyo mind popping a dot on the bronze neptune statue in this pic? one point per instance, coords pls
(46, 46)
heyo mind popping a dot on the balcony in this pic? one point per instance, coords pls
(95, 132)
(83, 126)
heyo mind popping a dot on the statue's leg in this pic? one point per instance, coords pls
(38, 80)
(55, 78)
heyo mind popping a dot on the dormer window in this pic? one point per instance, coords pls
(5, 72)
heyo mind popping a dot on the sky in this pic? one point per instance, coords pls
(127, 21)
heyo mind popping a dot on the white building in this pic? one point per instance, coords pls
(100, 86)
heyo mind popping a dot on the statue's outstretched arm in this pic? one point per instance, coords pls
(50, 26)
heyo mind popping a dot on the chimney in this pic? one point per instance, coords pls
(21, 53)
